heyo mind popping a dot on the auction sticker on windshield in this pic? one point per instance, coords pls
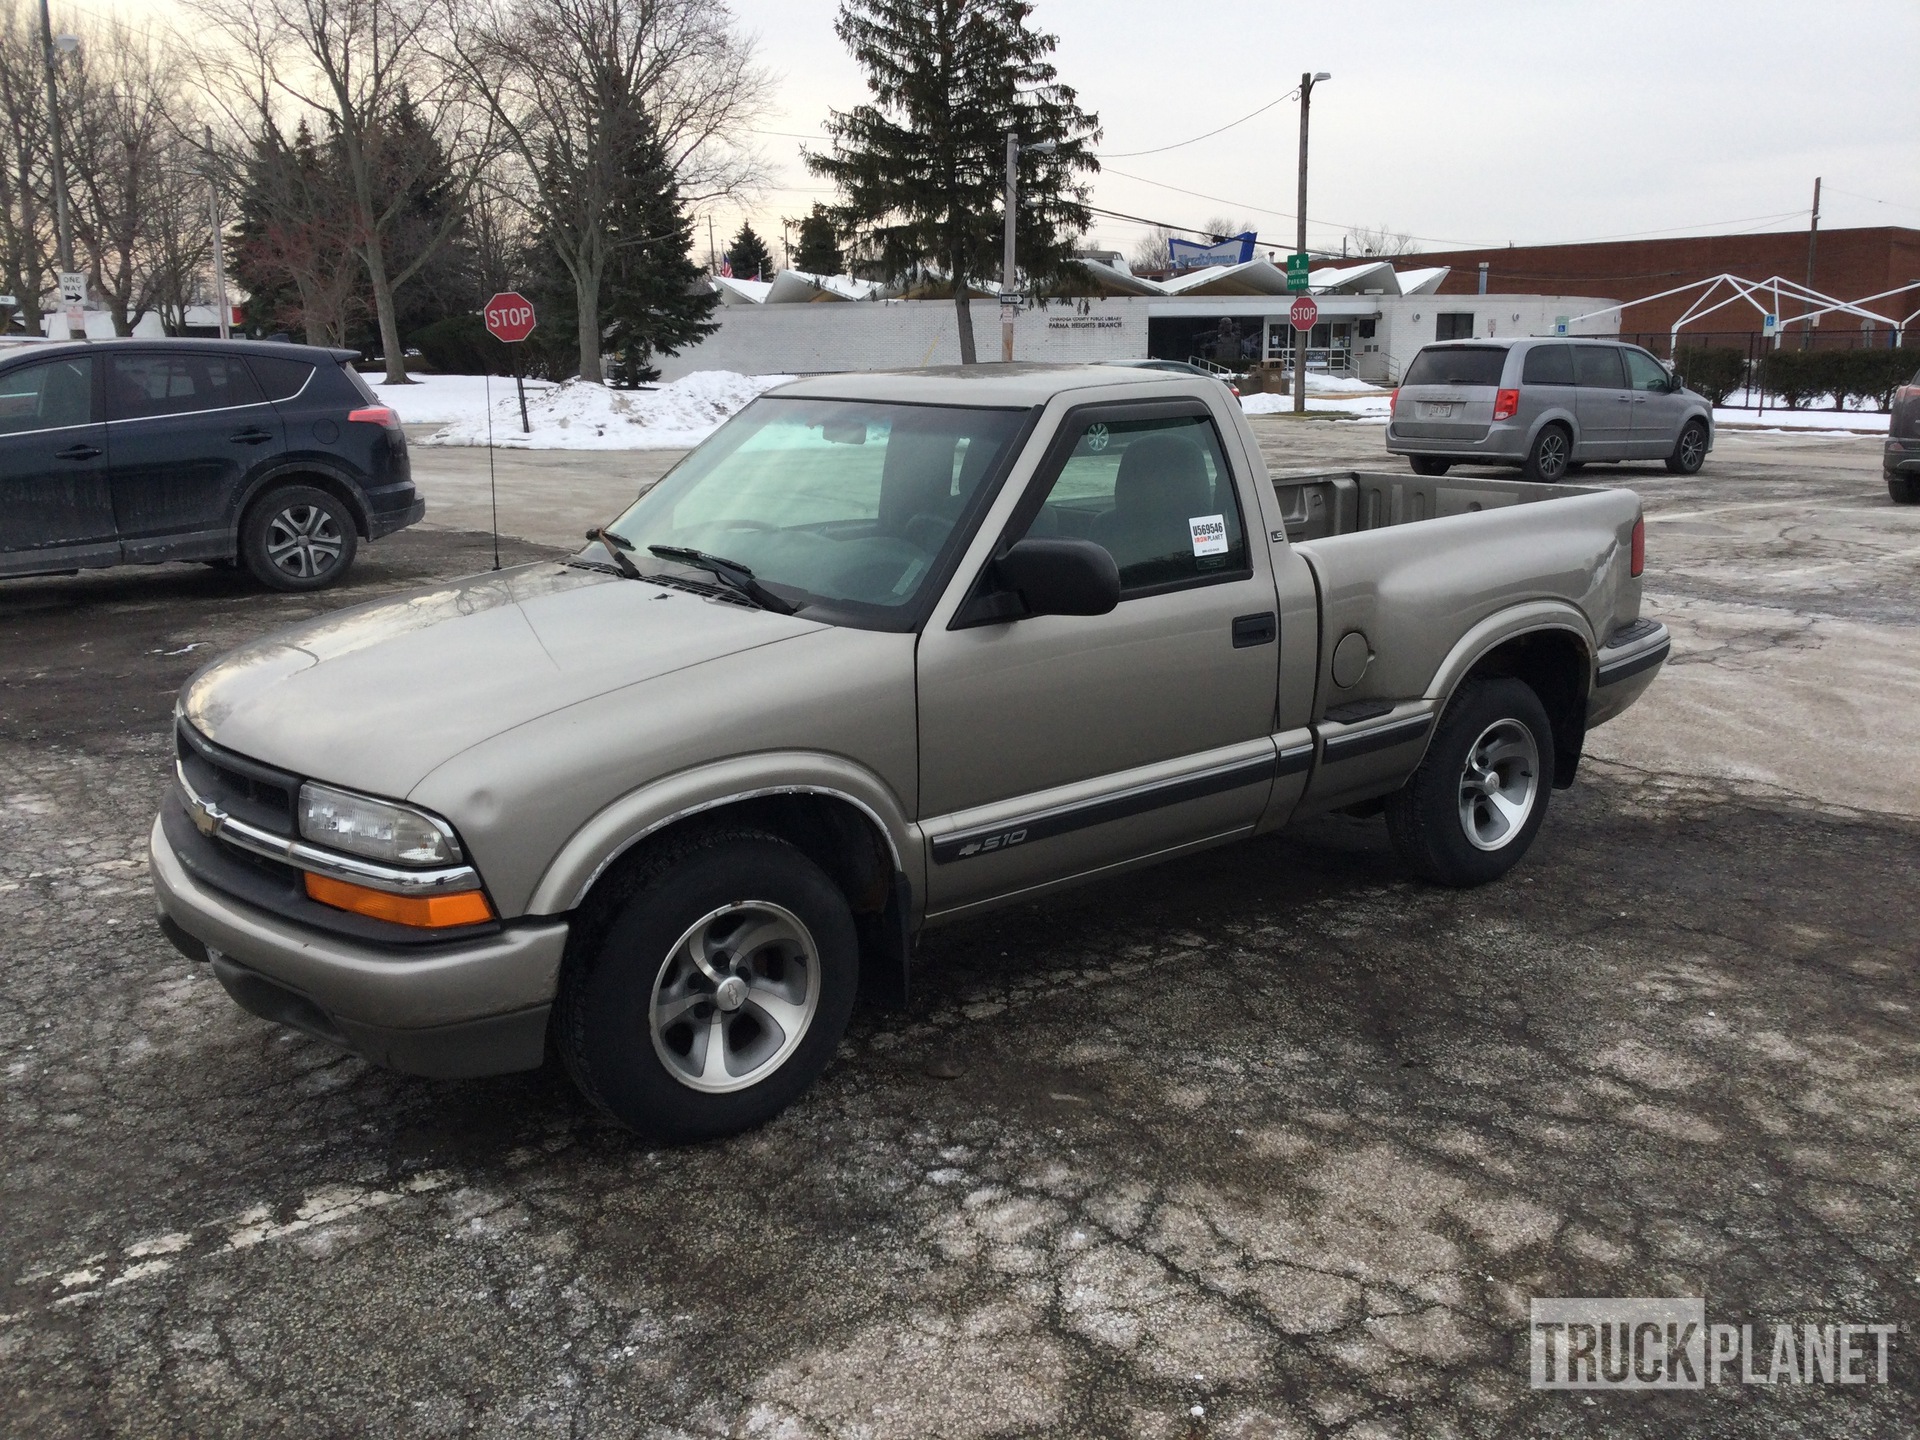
(1209, 534)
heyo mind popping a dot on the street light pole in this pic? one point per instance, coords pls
(63, 223)
(219, 245)
(1300, 337)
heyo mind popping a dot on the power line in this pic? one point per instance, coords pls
(1181, 144)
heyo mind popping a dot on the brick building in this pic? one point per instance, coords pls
(1848, 265)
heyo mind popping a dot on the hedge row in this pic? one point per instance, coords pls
(1799, 377)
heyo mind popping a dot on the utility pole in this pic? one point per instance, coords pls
(1813, 236)
(63, 223)
(219, 246)
(713, 259)
(1008, 308)
(1300, 337)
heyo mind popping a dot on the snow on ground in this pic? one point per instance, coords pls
(1372, 407)
(573, 416)
(1801, 422)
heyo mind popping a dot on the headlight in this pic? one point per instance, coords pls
(376, 829)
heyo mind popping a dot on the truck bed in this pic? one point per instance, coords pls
(1321, 503)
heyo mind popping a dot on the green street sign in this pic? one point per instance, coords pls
(1297, 272)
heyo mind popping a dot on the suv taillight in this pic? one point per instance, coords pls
(1638, 560)
(1506, 404)
(381, 415)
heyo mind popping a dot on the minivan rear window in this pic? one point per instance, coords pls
(1457, 365)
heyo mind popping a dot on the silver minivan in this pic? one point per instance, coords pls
(1546, 405)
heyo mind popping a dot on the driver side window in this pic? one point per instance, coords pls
(1645, 373)
(1157, 495)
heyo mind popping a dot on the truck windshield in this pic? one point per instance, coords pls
(1457, 365)
(842, 507)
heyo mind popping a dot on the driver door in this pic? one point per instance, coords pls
(1053, 746)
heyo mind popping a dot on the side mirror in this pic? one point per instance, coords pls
(1061, 577)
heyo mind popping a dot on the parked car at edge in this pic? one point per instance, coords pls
(886, 651)
(1901, 457)
(137, 451)
(1545, 405)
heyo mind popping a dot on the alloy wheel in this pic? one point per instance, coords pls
(305, 541)
(1499, 784)
(735, 996)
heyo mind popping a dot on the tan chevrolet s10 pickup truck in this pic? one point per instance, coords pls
(886, 651)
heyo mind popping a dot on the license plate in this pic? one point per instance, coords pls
(1436, 410)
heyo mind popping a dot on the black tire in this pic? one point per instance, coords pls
(1547, 457)
(1574, 467)
(1904, 489)
(1429, 464)
(632, 951)
(1690, 450)
(1429, 818)
(298, 537)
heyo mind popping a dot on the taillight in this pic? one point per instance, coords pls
(1393, 400)
(1638, 561)
(381, 415)
(1506, 404)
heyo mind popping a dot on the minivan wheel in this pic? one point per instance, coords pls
(1690, 450)
(1903, 489)
(1473, 807)
(1429, 464)
(713, 991)
(298, 537)
(1547, 458)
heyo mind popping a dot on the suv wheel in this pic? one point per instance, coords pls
(713, 991)
(1690, 450)
(298, 537)
(1904, 489)
(1476, 802)
(1547, 458)
(1429, 464)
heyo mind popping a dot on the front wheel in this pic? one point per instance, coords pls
(1547, 457)
(1429, 464)
(1903, 489)
(714, 992)
(297, 537)
(1690, 450)
(1473, 807)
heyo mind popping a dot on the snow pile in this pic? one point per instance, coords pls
(445, 399)
(1371, 406)
(576, 416)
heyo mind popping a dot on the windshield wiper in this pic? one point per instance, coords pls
(730, 573)
(616, 546)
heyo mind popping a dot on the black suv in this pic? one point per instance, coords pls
(138, 451)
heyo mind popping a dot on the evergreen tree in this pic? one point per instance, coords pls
(922, 169)
(749, 255)
(819, 252)
(648, 302)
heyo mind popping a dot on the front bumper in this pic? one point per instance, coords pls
(1900, 457)
(473, 1007)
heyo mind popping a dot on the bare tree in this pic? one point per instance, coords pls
(355, 64)
(578, 86)
(296, 228)
(26, 239)
(1380, 240)
(1150, 249)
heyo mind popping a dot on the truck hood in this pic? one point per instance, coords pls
(376, 696)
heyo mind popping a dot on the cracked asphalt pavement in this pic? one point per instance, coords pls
(1267, 1142)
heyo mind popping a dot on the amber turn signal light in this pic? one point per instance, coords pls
(428, 912)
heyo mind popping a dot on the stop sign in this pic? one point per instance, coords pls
(1303, 312)
(509, 317)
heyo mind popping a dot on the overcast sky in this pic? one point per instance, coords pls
(1461, 123)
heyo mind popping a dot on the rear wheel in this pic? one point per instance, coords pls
(1547, 457)
(298, 537)
(1904, 489)
(714, 992)
(1473, 807)
(1429, 464)
(1690, 450)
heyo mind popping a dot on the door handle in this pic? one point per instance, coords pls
(251, 436)
(77, 452)
(1624, 399)
(1253, 629)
